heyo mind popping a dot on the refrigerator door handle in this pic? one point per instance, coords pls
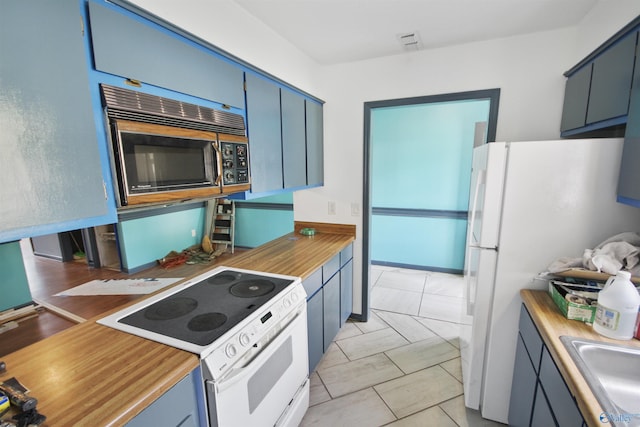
(474, 207)
(471, 300)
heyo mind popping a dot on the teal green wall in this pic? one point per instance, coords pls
(256, 225)
(144, 240)
(424, 242)
(14, 287)
(421, 159)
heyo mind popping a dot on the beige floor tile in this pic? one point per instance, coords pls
(447, 330)
(396, 300)
(373, 324)
(429, 417)
(406, 326)
(317, 391)
(422, 354)
(357, 375)
(406, 280)
(333, 356)
(418, 391)
(454, 367)
(364, 408)
(464, 416)
(441, 307)
(445, 284)
(349, 329)
(374, 342)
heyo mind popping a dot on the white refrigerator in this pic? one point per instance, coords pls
(531, 203)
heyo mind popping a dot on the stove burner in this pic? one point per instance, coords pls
(170, 308)
(221, 279)
(252, 288)
(207, 322)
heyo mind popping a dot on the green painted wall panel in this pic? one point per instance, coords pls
(256, 226)
(428, 242)
(14, 287)
(144, 240)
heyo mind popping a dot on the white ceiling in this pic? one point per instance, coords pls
(336, 31)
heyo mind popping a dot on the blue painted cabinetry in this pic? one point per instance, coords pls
(180, 406)
(128, 46)
(285, 137)
(329, 296)
(598, 89)
(539, 395)
(52, 165)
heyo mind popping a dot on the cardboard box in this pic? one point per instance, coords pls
(576, 302)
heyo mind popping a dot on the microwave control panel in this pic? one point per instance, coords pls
(235, 164)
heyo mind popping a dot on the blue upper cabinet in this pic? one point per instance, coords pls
(129, 46)
(315, 144)
(265, 134)
(294, 151)
(52, 165)
(598, 89)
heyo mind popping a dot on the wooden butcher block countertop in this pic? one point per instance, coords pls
(92, 375)
(552, 324)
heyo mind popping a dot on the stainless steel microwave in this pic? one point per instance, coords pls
(166, 150)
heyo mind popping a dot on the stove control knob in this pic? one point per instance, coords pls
(230, 350)
(294, 296)
(244, 339)
(286, 302)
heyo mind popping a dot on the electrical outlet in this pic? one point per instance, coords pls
(332, 208)
(355, 209)
(193, 233)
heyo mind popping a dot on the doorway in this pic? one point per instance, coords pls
(417, 165)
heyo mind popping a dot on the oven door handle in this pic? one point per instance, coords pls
(237, 374)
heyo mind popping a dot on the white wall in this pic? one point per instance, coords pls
(528, 69)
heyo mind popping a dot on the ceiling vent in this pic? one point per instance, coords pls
(410, 41)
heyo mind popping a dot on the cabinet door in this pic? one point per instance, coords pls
(131, 47)
(576, 98)
(331, 309)
(628, 184)
(315, 144)
(530, 337)
(265, 137)
(542, 416)
(562, 404)
(611, 81)
(51, 167)
(294, 152)
(177, 407)
(346, 292)
(523, 388)
(315, 329)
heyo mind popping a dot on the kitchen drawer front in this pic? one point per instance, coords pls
(330, 268)
(312, 283)
(531, 338)
(346, 254)
(561, 401)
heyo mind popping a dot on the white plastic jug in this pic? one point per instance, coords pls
(617, 310)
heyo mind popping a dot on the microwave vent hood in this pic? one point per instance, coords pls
(141, 107)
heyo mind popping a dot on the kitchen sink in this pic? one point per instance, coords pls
(613, 374)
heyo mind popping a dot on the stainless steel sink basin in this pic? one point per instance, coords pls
(613, 374)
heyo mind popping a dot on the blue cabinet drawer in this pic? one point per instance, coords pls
(312, 283)
(346, 254)
(330, 268)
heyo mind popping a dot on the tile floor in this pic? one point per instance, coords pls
(402, 367)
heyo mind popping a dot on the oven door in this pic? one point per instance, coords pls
(260, 392)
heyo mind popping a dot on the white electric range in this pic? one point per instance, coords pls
(249, 329)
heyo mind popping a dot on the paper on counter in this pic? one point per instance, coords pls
(119, 287)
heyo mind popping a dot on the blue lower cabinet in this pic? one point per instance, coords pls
(539, 395)
(329, 300)
(315, 330)
(182, 405)
(346, 291)
(331, 309)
